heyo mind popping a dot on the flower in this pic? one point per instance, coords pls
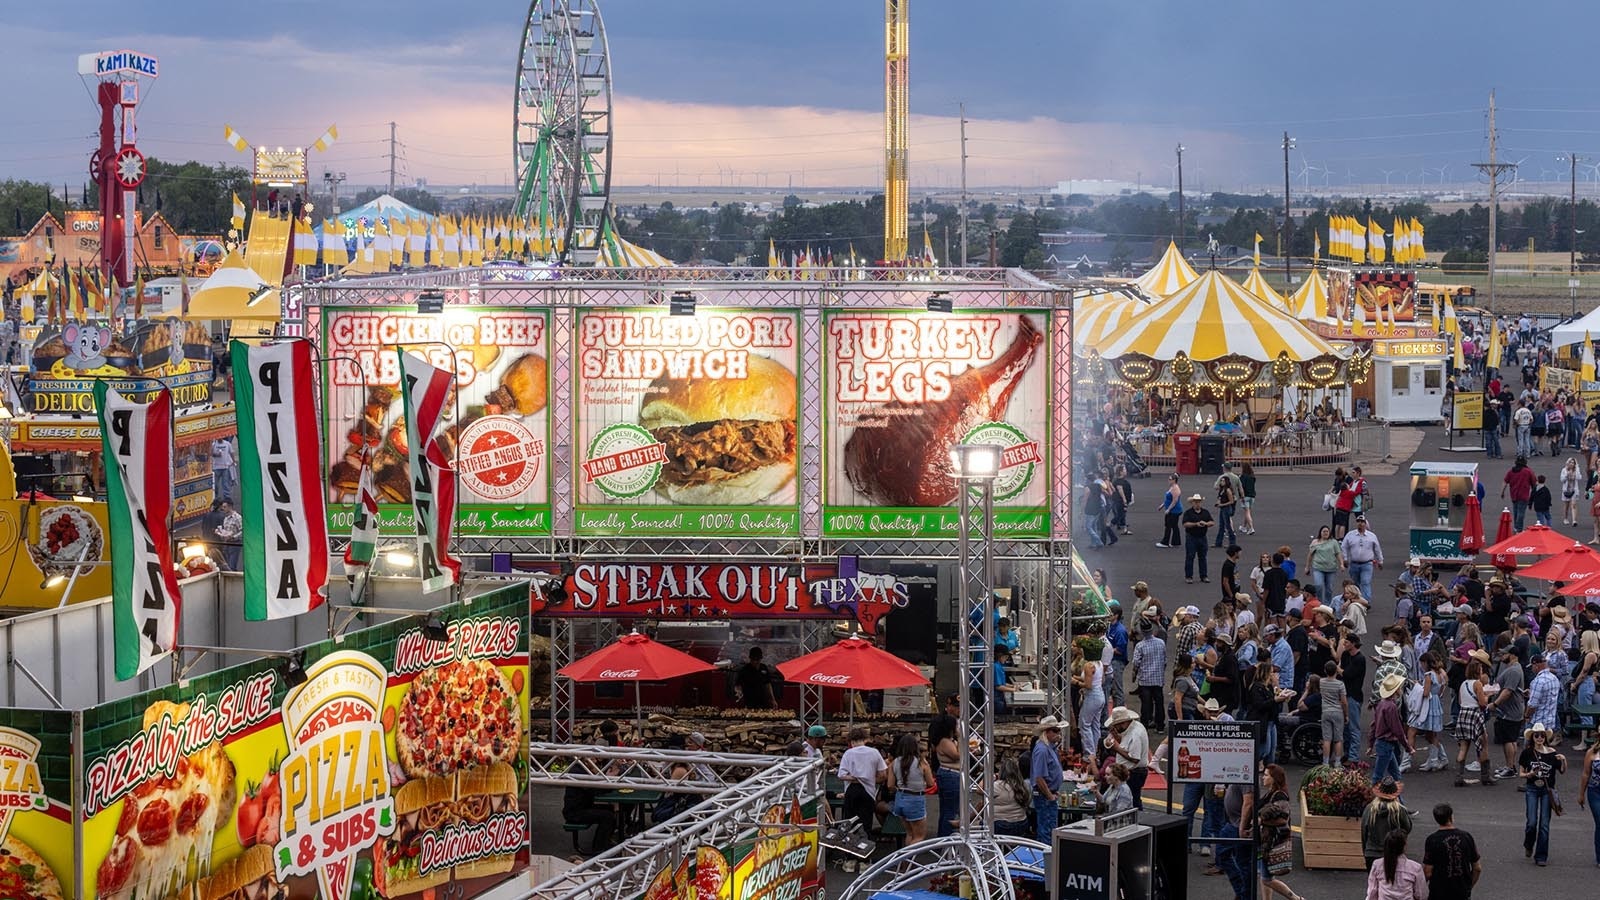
(1333, 791)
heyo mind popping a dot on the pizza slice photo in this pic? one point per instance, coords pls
(24, 875)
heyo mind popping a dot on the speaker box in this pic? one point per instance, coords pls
(912, 631)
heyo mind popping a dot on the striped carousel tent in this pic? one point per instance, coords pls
(1169, 276)
(1310, 302)
(1099, 313)
(1257, 285)
(627, 255)
(1211, 318)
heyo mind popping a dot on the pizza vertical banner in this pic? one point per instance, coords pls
(285, 552)
(427, 391)
(500, 359)
(136, 440)
(36, 804)
(901, 387)
(686, 424)
(775, 860)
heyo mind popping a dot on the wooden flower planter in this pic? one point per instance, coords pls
(1330, 842)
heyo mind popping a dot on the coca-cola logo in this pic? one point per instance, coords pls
(619, 673)
(819, 678)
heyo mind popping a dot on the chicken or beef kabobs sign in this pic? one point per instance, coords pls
(686, 424)
(499, 445)
(902, 388)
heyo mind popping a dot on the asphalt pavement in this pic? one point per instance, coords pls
(1288, 510)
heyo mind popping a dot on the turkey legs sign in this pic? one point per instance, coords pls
(906, 460)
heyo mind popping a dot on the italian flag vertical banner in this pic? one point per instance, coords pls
(433, 481)
(363, 533)
(285, 542)
(136, 439)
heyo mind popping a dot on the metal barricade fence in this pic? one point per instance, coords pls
(1281, 447)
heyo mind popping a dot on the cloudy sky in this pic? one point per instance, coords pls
(766, 93)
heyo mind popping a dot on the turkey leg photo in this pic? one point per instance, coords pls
(905, 461)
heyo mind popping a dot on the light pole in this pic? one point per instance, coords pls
(1288, 273)
(332, 180)
(1180, 200)
(976, 466)
(1572, 223)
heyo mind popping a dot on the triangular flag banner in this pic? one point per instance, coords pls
(237, 219)
(285, 543)
(1375, 241)
(433, 482)
(1258, 248)
(1316, 246)
(328, 139)
(1586, 365)
(136, 440)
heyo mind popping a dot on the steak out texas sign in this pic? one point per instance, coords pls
(714, 591)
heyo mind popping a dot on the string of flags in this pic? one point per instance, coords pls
(1350, 238)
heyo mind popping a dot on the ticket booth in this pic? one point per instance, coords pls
(1439, 492)
(1408, 378)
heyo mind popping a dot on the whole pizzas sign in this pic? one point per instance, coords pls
(335, 782)
(499, 457)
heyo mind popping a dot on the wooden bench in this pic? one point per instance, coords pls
(894, 828)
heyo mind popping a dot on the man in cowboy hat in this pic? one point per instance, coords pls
(1044, 774)
(1391, 661)
(1388, 738)
(1130, 744)
(1150, 675)
(1186, 630)
(1544, 697)
(1196, 522)
(1539, 765)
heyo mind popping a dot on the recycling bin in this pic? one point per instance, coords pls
(1186, 446)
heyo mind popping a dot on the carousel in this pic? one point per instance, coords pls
(1215, 357)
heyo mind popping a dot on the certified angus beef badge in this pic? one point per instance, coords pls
(499, 457)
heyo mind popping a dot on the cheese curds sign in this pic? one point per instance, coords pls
(353, 785)
(285, 552)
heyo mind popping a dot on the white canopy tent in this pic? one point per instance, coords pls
(1575, 332)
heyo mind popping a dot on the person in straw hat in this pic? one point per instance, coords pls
(1388, 738)
(1539, 765)
(1044, 774)
(1473, 695)
(1130, 744)
(1383, 815)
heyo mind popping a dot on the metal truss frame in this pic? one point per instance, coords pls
(639, 768)
(984, 861)
(563, 701)
(975, 587)
(722, 818)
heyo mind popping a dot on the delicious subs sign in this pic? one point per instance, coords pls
(686, 424)
(902, 388)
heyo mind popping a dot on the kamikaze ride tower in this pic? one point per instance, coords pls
(117, 166)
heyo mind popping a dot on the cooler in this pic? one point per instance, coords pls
(1186, 447)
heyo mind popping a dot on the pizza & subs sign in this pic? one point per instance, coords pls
(701, 591)
(35, 805)
(355, 784)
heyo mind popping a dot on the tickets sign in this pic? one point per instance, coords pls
(355, 783)
(497, 427)
(901, 388)
(686, 425)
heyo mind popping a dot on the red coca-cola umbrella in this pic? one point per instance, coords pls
(636, 658)
(854, 665)
(1588, 588)
(1503, 535)
(1472, 526)
(1574, 563)
(1535, 540)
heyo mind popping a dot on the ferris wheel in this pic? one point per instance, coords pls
(563, 131)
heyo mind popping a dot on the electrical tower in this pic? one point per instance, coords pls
(896, 105)
(1493, 168)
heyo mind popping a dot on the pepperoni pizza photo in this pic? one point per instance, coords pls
(460, 714)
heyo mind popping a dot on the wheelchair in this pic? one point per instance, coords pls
(1299, 740)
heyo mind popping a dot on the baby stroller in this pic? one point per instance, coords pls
(1128, 457)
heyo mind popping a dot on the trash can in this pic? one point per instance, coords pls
(1186, 446)
(1170, 875)
(1213, 449)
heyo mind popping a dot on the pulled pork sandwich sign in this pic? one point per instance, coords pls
(499, 446)
(711, 591)
(396, 767)
(686, 424)
(904, 387)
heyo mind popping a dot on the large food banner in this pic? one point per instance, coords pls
(35, 804)
(395, 766)
(687, 424)
(777, 862)
(499, 443)
(903, 387)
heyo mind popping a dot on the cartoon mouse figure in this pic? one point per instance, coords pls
(87, 346)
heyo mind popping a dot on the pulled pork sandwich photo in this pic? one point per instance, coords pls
(729, 442)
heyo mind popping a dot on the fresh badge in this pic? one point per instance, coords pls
(1018, 456)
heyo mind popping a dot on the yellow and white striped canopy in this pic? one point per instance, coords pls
(1310, 302)
(1099, 313)
(1169, 276)
(1257, 285)
(630, 256)
(1211, 318)
(40, 286)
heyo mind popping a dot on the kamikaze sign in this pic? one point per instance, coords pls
(902, 388)
(433, 483)
(285, 553)
(499, 447)
(686, 424)
(136, 439)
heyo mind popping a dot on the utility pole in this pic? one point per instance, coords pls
(1572, 224)
(332, 180)
(1180, 200)
(392, 143)
(1288, 273)
(963, 190)
(1493, 170)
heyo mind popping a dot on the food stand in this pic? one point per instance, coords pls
(1438, 508)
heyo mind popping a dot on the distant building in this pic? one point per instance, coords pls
(1091, 252)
